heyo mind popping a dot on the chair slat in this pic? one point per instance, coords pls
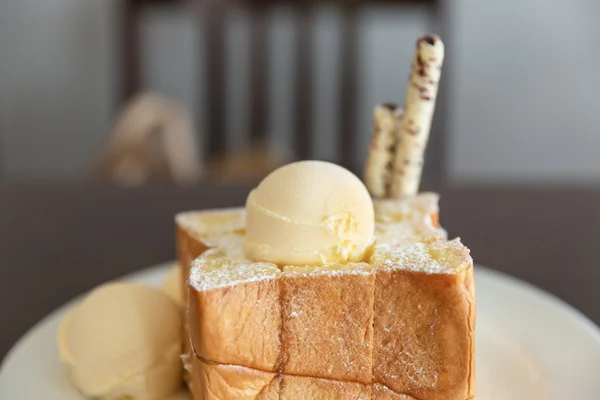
(259, 72)
(129, 19)
(303, 83)
(213, 22)
(213, 18)
(348, 83)
(3, 168)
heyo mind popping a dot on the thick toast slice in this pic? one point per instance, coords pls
(327, 315)
(398, 327)
(210, 381)
(196, 232)
(306, 387)
(424, 321)
(239, 323)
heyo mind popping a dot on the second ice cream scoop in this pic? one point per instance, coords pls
(123, 341)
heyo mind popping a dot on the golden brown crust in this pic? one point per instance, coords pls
(304, 387)
(216, 382)
(237, 325)
(189, 247)
(408, 333)
(381, 392)
(424, 333)
(210, 381)
(328, 325)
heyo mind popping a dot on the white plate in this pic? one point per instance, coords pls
(530, 346)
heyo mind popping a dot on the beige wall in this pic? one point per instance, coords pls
(527, 82)
(56, 84)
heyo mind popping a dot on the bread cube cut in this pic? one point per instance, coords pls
(303, 387)
(381, 392)
(424, 322)
(399, 326)
(234, 312)
(217, 382)
(327, 327)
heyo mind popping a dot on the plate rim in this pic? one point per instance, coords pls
(78, 297)
(557, 302)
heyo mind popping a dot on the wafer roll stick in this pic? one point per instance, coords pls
(418, 113)
(378, 168)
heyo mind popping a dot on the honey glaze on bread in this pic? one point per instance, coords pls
(399, 326)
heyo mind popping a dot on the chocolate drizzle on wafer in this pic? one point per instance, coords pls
(419, 107)
(380, 160)
(395, 161)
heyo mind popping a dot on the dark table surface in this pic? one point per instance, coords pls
(58, 241)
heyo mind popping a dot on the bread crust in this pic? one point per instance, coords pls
(424, 325)
(238, 325)
(381, 392)
(188, 248)
(384, 333)
(209, 381)
(305, 387)
(328, 324)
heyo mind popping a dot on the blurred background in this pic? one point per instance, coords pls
(114, 115)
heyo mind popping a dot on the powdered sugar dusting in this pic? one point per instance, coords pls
(407, 220)
(212, 223)
(419, 230)
(406, 238)
(443, 257)
(230, 243)
(398, 209)
(333, 269)
(214, 269)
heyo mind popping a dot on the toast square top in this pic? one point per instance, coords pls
(407, 237)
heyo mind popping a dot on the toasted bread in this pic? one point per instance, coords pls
(424, 323)
(381, 392)
(237, 325)
(323, 340)
(306, 387)
(209, 381)
(195, 233)
(398, 327)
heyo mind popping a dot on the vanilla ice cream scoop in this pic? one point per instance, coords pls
(309, 213)
(123, 341)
